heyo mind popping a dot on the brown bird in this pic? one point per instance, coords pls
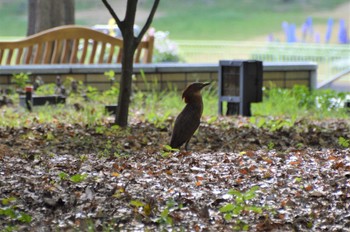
(189, 119)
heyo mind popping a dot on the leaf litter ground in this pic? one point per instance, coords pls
(71, 177)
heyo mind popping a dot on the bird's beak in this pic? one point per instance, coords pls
(205, 84)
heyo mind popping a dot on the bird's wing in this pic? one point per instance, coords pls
(185, 126)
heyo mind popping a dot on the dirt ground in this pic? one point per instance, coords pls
(63, 177)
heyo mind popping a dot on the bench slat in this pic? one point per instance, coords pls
(56, 52)
(110, 54)
(1, 55)
(74, 53)
(102, 53)
(47, 52)
(61, 45)
(19, 55)
(38, 51)
(93, 52)
(9, 56)
(28, 55)
(65, 51)
(147, 58)
(138, 54)
(83, 55)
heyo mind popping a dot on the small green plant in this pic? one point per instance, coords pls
(231, 210)
(21, 79)
(343, 142)
(110, 74)
(270, 145)
(77, 178)
(91, 92)
(92, 116)
(114, 90)
(100, 129)
(165, 218)
(145, 207)
(167, 151)
(273, 124)
(63, 176)
(47, 89)
(50, 136)
(83, 158)
(9, 212)
(111, 150)
(137, 203)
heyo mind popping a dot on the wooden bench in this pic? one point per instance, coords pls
(71, 45)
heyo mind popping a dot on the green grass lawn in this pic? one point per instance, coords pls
(197, 19)
(235, 20)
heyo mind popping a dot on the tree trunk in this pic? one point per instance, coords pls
(121, 118)
(45, 14)
(130, 43)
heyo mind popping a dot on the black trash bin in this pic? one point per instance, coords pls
(240, 84)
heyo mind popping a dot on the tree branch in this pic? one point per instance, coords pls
(114, 15)
(148, 22)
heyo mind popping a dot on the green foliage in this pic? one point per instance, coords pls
(50, 136)
(300, 102)
(91, 92)
(113, 91)
(109, 149)
(280, 109)
(167, 151)
(77, 178)
(63, 176)
(21, 79)
(9, 212)
(67, 83)
(343, 142)
(165, 218)
(46, 89)
(92, 116)
(7, 201)
(154, 106)
(146, 208)
(270, 145)
(115, 88)
(110, 74)
(100, 129)
(137, 203)
(240, 205)
(273, 124)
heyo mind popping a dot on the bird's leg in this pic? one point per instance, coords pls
(186, 145)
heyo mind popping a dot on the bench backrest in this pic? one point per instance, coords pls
(70, 44)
